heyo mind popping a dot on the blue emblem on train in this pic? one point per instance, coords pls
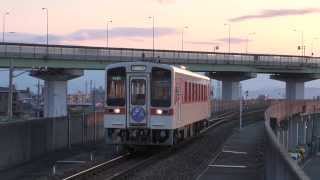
(138, 114)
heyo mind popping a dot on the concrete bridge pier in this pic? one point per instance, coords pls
(55, 89)
(231, 83)
(295, 84)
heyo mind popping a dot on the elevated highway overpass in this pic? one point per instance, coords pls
(58, 63)
(96, 58)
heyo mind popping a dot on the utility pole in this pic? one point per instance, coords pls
(153, 30)
(4, 25)
(108, 21)
(229, 37)
(182, 38)
(47, 16)
(38, 99)
(240, 100)
(10, 93)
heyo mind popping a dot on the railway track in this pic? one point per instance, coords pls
(122, 166)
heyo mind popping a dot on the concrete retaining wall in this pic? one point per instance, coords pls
(25, 140)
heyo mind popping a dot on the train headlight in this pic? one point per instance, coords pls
(116, 111)
(159, 111)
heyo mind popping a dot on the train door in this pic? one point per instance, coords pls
(138, 104)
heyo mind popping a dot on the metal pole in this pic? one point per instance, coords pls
(4, 26)
(107, 34)
(47, 14)
(38, 99)
(47, 28)
(185, 27)
(108, 21)
(94, 111)
(10, 95)
(83, 125)
(302, 44)
(229, 38)
(153, 29)
(240, 119)
(182, 40)
(247, 42)
(153, 37)
(69, 131)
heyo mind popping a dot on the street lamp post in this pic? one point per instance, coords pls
(153, 30)
(185, 27)
(47, 14)
(216, 47)
(108, 21)
(4, 25)
(229, 38)
(312, 45)
(240, 106)
(302, 46)
(247, 40)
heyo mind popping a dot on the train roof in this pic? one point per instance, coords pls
(166, 66)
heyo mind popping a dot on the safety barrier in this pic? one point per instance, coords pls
(61, 52)
(279, 164)
(22, 141)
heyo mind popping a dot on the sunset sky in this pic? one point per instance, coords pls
(83, 22)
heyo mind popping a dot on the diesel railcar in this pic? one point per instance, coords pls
(154, 104)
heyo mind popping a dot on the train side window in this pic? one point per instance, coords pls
(185, 92)
(207, 92)
(192, 100)
(197, 92)
(204, 92)
(201, 93)
(190, 92)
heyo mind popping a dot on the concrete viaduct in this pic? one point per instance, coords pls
(56, 64)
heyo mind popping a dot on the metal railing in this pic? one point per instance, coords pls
(61, 52)
(278, 163)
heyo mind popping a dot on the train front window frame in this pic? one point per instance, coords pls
(138, 92)
(161, 87)
(116, 86)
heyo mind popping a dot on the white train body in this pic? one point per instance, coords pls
(154, 104)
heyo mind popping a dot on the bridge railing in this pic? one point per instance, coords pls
(38, 51)
(278, 163)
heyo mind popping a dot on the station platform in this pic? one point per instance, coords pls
(241, 157)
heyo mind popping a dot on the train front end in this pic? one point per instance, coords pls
(138, 104)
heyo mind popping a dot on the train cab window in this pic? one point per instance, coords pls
(116, 85)
(138, 92)
(160, 87)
